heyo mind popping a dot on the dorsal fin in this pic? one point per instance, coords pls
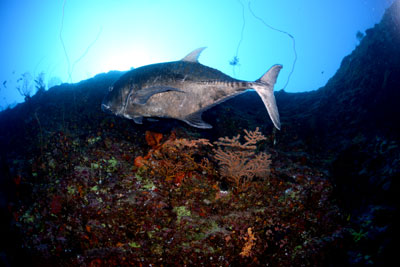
(194, 56)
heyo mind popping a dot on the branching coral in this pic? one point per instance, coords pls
(238, 162)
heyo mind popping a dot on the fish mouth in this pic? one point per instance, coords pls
(107, 109)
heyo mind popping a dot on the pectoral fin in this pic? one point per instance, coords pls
(140, 97)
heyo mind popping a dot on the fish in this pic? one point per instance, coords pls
(183, 90)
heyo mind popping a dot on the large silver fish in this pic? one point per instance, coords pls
(183, 90)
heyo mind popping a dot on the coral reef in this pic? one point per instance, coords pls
(90, 205)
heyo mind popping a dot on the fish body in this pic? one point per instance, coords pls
(183, 90)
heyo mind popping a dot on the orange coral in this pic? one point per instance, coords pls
(246, 250)
(179, 177)
(174, 158)
(153, 139)
(139, 161)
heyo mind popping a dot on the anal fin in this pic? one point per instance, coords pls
(195, 120)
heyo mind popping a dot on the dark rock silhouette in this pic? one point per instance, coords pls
(355, 118)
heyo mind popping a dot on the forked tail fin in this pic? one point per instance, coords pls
(265, 89)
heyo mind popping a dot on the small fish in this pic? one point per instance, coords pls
(183, 90)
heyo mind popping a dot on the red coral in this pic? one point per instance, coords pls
(55, 205)
(153, 139)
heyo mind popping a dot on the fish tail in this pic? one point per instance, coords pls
(265, 89)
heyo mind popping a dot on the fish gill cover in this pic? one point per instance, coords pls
(80, 187)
